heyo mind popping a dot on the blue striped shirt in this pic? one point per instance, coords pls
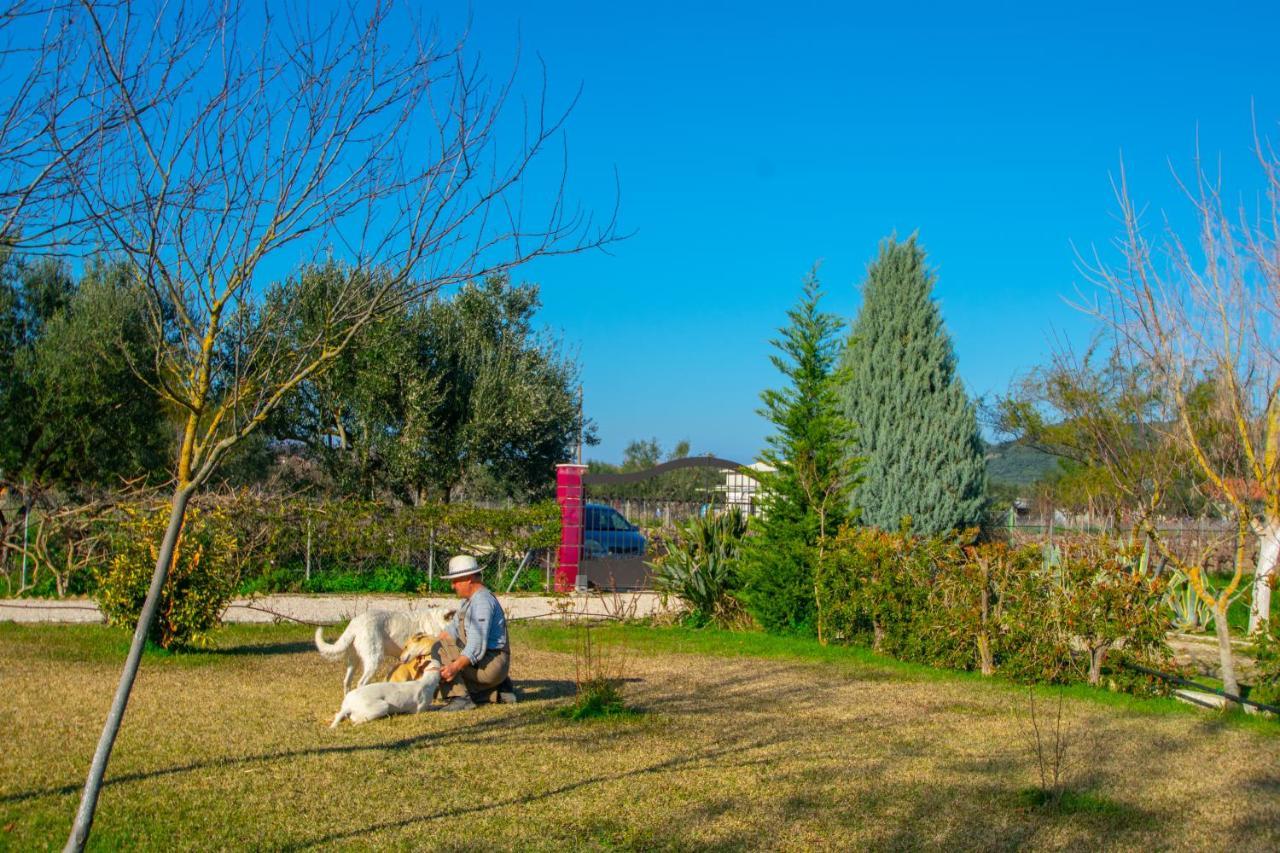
(486, 624)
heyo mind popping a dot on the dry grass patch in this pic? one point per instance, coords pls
(230, 749)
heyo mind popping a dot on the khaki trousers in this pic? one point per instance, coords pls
(479, 676)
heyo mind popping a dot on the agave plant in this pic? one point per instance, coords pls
(700, 566)
(1190, 611)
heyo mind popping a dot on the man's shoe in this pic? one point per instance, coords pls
(507, 693)
(459, 703)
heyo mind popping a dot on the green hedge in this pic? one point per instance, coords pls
(1052, 615)
(367, 546)
(352, 546)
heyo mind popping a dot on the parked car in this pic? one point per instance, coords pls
(605, 532)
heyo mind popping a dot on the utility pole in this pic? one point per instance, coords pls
(580, 424)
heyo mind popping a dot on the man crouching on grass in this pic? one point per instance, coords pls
(474, 652)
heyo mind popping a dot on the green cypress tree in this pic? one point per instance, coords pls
(917, 429)
(806, 497)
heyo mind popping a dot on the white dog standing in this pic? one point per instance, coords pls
(376, 634)
(385, 698)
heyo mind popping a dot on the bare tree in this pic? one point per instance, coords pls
(55, 115)
(1119, 418)
(1199, 313)
(357, 139)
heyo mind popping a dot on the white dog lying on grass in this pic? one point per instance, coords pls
(389, 697)
(376, 634)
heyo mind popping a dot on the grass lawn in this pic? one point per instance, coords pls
(741, 741)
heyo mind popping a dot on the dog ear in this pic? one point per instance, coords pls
(449, 614)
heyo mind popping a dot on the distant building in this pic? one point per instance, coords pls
(743, 491)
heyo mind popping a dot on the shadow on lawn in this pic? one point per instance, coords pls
(718, 758)
(892, 816)
(292, 647)
(982, 808)
(488, 726)
(543, 689)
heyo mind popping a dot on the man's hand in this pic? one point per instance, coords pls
(448, 671)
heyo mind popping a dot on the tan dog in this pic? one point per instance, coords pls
(414, 658)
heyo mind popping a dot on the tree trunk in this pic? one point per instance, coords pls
(93, 784)
(1096, 655)
(1229, 683)
(877, 639)
(984, 653)
(1268, 550)
(817, 604)
(984, 636)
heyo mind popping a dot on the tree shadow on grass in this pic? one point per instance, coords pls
(464, 734)
(1262, 830)
(543, 689)
(897, 816)
(259, 649)
(721, 757)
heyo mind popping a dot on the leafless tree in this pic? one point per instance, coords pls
(1199, 312)
(354, 138)
(63, 538)
(54, 116)
(1192, 338)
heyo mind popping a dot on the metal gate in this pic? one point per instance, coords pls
(628, 518)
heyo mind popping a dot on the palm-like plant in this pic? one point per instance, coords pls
(700, 567)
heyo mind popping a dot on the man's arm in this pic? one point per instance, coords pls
(450, 631)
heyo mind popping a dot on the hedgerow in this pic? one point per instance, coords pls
(294, 544)
(1056, 615)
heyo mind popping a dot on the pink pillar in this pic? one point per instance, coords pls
(569, 496)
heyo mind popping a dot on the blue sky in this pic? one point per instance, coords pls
(755, 140)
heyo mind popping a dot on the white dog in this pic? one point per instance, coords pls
(389, 697)
(376, 634)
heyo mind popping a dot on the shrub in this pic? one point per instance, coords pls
(387, 579)
(599, 677)
(868, 586)
(201, 580)
(1052, 616)
(1266, 655)
(701, 568)
(1110, 604)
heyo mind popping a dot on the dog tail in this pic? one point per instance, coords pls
(337, 647)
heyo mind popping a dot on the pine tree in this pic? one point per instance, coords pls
(806, 497)
(917, 429)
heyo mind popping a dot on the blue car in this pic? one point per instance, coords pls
(605, 533)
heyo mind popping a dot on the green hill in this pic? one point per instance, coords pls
(1012, 464)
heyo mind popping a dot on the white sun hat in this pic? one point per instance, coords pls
(461, 566)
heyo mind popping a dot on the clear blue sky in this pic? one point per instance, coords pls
(753, 140)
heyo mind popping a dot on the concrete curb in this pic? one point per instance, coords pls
(331, 609)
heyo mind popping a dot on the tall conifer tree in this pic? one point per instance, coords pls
(917, 429)
(806, 497)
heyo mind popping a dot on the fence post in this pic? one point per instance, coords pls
(308, 549)
(26, 525)
(431, 558)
